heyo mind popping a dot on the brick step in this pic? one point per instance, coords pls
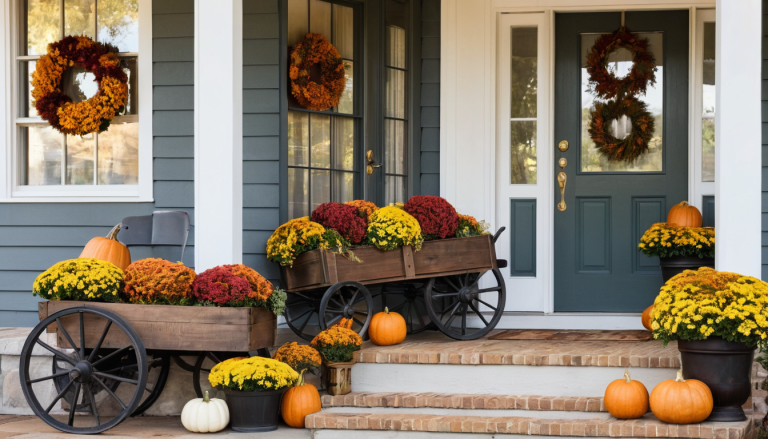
(465, 401)
(407, 423)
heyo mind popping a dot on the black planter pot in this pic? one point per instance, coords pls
(677, 264)
(252, 412)
(725, 367)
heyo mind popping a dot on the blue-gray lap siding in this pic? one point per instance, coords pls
(430, 97)
(34, 236)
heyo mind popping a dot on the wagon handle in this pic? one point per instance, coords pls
(498, 233)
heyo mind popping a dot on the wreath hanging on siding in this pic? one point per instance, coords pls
(318, 94)
(92, 115)
(621, 95)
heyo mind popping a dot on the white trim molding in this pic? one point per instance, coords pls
(738, 160)
(218, 133)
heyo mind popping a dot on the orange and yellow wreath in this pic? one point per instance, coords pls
(311, 93)
(94, 114)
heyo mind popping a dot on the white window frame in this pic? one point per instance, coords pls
(10, 190)
(699, 188)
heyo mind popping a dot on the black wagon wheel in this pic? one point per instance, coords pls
(182, 363)
(161, 362)
(87, 369)
(301, 313)
(347, 299)
(407, 299)
(203, 365)
(453, 300)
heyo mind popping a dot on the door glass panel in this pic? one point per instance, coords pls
(28, 68)
(523, 110)
(708, 105)
(343, 186)
(321, 187)
(343, 31)
(346, 102)
(343, 143)
(396, 189)
(620, 62)
(320, 139)
(320, 18)
(523, 152)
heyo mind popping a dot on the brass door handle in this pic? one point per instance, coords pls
(561, 180)
(371, 158)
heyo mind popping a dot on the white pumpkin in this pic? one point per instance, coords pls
(205, 415)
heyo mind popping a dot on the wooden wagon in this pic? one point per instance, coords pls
(97, 347)
(440, 286)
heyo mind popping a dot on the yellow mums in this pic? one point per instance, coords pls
(252, 374)
(665, 240)
(391, 227)
(695, 305)
(293, 238)
(80, 279)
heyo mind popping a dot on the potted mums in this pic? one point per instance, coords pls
(253, 388)
(718, 320)
(337, 346)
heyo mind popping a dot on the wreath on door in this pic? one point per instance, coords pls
(323, 92)
(621, 96)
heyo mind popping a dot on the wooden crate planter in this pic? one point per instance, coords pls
(321, 268)
(167, 327)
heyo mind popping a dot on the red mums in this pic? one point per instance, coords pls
(437, 218)
(342, 218)
(220, 286)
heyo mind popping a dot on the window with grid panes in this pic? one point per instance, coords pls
(47, 157)
(322, 153)
(395, 102)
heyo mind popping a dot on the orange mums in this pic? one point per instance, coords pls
(318, 94)
(365, 208)
(157, 281)
(261, 289)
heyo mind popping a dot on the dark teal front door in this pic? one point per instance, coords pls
(609, 205)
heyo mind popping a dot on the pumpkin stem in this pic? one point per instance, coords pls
(626, 376)
(386, 310)
(683, 203)
(300, 381)
(206, 398)
(679, 378)
(113, 233)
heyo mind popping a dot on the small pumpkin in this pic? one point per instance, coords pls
(108, 249)
(646, 318)
(205, 415)
(299, 401)
(387, 328)
(684, 215)
(626, 398)
(681, 401)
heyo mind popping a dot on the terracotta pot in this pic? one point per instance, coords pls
(337, 377)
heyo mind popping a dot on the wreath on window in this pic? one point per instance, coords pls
(92, 115)
(318, 94)
(635, 144)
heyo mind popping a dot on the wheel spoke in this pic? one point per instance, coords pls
(464, 320)
(92, 402)
(437, 296)
(115, 377)
(362, 313)
(487, 290)
(358, 321)
(117, 352)
(101, 340)
(336, 301)
(302, 314)
(452, 316)
(454, 305)
(448, 281)
(69, 339)
(73, 405)
(486, 304)
(334, 320)
(354, 296)
(55, 352)
(398, 307)
(304, 325)
(58, 397)
(50, 377)
(478, 314)
(334, 310)
(82, 336)
(111, 393)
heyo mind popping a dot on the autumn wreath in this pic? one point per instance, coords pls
(635, 144)
(603, 82)
(314, 94)
(92, 115)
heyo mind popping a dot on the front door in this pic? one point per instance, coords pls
(608, 205)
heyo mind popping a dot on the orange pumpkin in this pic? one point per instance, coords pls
(387, 328)
(626, 398)
(646, 318)
(681, 401)
(684, 215)
(298, 402)
(108, 249)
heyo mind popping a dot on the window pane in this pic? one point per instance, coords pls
(396, 189)
(298, 193)
(395, 55)
(395, 93)
(119, 154)
(524, 71)
(394, 146)
(343, 143)
(298, 20)
(343, 186)
(522, 151)
(298, 139)
(321, 187)
(27, 69)
(346, 102)
(131, 69)
(320, 18)
(620, 62)
(119, 24)
(43, 25)
(708, 150)
(80, 159)
(708, 69)
(79, 84)
(80, 17)
(43, 155)
(344, 31)
(320, 139)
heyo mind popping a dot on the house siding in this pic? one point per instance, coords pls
(34, 236)
(430, 97)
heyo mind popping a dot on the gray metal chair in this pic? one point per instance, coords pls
(166, 228)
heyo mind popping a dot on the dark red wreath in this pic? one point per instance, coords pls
(604, 83)
(635, 144)
(316, 93)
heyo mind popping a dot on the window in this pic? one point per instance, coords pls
(523, 108)
(46, 161)
(703, 120)
(395, 102)
(322, 153)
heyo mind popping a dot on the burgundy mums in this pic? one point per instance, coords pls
(220, 286)
(342, 218)
(437, 218)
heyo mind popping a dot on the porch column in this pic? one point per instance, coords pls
(738, 162)
(218, 133)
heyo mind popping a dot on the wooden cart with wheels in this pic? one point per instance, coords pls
(442, 286)
(111, 360)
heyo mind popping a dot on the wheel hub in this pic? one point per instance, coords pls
(82, 371)
(349, 312)
(466, 295)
